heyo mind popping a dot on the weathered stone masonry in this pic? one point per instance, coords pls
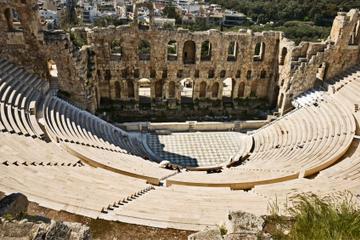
(115, 61)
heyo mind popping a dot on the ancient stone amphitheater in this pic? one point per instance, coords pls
(67, 159)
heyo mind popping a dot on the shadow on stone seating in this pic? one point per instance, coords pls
(174, 158)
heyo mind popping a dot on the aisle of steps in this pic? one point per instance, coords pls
(127, 200)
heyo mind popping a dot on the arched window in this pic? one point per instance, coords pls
(117, 90)
(263, 74)
(283, 56)
(232, 52)
(222, 73)
(253, 89)
(144, 50)
(259, 51)
(23, 1)
(197, 73)
(186, 90)
(158, 89)
(53, 71)
(206, 51)
(116, 50)
(130, 89)
(107, 76)
(215, 90)
(211, 73)
(189, 52)
(172, 89)
(227, 91)
(152, 73)
(144, 91)
(238, 74)
(164, 74)
(249, 75)
(241, 90)
(136, 73)
(172, 51)
(202, 90)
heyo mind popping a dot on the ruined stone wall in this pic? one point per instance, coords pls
(311, 64)
(20, 34)
(256, 75)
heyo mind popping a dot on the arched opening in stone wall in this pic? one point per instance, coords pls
(116, 50)
(158, 89)
(197, 73)
(189, 52)
(172, 90)
(284, 52)
(152, 73)
(259, 51)
(215, 90)
(249, 75)
(117, 90)
(206, 51)
(227, 92)
(125, 73)
(53, 71)
(263, 74)
(211, 73)
(172, 51)
(232, 52)
(23, 1)
(320, 74)
(144, 50)
(238, 74)
(253, 89)
(107, 76)
(187, 85)
(222, 73)
(164, 74)
(241, 90)
(354, 37)
(144, 86)
(130, 89)
(202, 93)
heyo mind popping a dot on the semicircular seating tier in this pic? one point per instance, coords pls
(20, 93)
(97, 142)
(299, 144)
(75, 162)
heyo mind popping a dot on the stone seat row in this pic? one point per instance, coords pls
(20, 92)
(316, 137)
(81, 190)
(70, 124)
(191, 208)
(340, 177)
(118, 162)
